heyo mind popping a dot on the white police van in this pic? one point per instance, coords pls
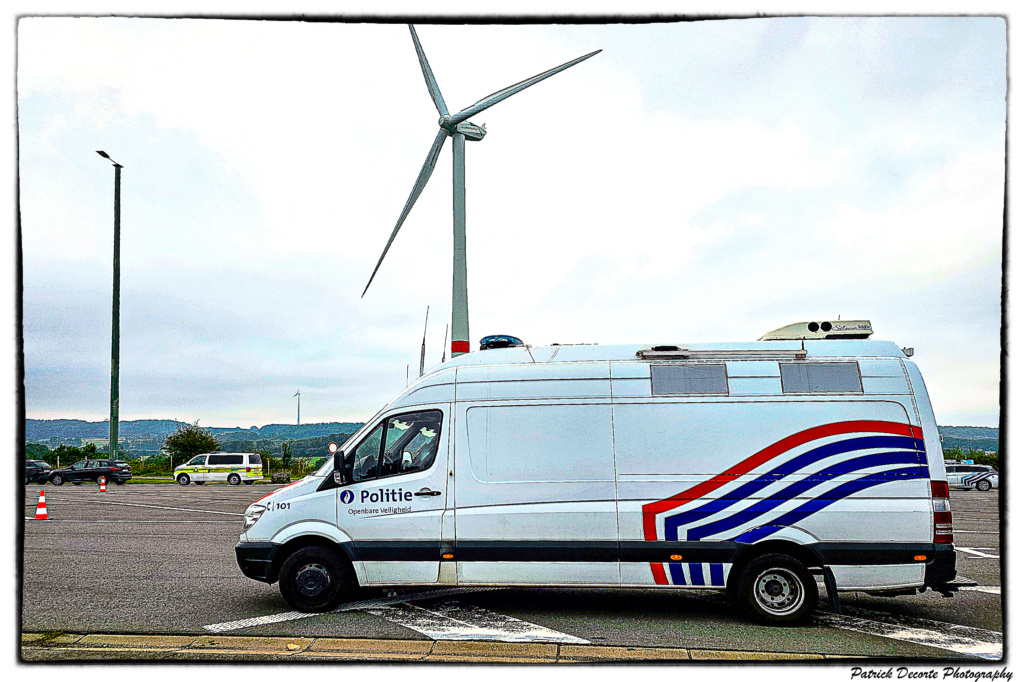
(968, 476)
(747, 467)
(233, 468)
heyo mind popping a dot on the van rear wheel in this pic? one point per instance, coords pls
(234, 479)
(314, 579)
(777, 589)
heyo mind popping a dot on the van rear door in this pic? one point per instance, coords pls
(699, 478)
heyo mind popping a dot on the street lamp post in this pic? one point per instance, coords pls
(115, 324)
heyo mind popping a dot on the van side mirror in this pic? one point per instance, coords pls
(342, 468)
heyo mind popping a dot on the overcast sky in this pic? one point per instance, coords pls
(705, 181)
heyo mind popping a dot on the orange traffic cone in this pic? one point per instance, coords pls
(103, 484)
(41, 507)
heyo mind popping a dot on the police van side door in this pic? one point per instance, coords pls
(394, 495)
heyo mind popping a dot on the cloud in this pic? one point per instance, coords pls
(701, 181)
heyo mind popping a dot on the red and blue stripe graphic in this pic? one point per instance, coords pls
(899, 448)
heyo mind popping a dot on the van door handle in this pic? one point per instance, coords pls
(427, 492)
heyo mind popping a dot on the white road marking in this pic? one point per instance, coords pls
(351, 606)
(148, 506)
(958, 638)
(977, 554)
(985, 532)
(451, 620)
(984, 588)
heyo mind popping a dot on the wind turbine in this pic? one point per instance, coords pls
(298, 408)
(459, 128)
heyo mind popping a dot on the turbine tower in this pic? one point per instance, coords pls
(459, 128)
(298, 408)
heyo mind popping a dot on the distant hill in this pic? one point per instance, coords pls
(970, 438)
(43, 429)
(37, 430)
(72, 430)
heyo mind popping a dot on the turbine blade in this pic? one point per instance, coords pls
(496, 97)
(428, 75)
(421, 182)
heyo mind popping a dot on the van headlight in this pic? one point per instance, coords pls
(252, 515)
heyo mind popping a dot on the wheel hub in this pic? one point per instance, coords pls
(778, 591)
(312, 580)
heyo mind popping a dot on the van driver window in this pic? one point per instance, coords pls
(411, 443)
(366, 456)
(196, 461)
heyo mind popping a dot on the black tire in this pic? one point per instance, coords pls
(183, 479)
(249, 482)
(234, 479)
(314, 580)
(199, 482)
(777, 589)
(57, 479)
(984, 485)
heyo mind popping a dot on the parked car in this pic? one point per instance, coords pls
(36, 471)
(977, 476)
(115, 471)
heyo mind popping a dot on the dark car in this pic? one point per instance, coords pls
(36, 471)
(115, 471)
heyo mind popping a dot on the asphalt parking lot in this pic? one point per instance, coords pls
(159, 559)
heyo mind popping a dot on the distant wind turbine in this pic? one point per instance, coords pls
(298, 408)
(459, 129)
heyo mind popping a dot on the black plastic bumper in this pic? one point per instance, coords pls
(940, 572)
(256, 559)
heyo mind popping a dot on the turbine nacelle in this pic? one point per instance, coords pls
(472, 131)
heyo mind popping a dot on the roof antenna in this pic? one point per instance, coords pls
(444, 344)
(530, 352)
(423, 348)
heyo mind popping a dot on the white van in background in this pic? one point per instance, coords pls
(747, 467)
(231, 467)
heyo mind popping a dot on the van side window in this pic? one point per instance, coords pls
(820, 377)
(688, 379)
(254, 460)
(366, 456)
(411, 443)
(225, 459)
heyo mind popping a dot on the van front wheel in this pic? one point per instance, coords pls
(183, 479)
(314, 580)
(777, 590)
